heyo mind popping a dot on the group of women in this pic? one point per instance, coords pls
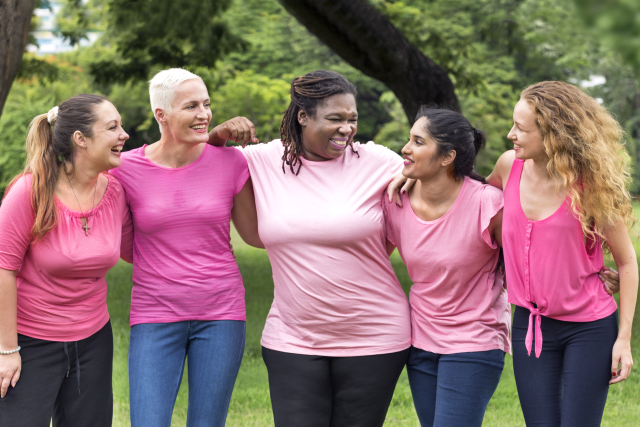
(327, 210)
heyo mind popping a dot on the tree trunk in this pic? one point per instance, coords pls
(367, 40)
(15, 21)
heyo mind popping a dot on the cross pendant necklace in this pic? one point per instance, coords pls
(84, 219)
(85, 226)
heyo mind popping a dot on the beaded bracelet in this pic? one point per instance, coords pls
(15, 350)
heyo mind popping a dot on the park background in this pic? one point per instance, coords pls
(476, 55)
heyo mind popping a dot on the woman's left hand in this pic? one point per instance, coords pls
(238, 129)
(621, 356)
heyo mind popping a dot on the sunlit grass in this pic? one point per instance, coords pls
(250, 404)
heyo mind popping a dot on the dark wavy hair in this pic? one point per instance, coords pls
(307, 93)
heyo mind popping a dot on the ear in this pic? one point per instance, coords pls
(448, 158)
(79, 139)
(160, 116)
(302, 118)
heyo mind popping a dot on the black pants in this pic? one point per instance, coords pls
(69, 383)
(568, 384)
(319, 391)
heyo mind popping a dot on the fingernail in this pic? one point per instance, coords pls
(613, 374)
(402, 191)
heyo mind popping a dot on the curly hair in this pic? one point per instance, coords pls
(587, 159)
(307, 92)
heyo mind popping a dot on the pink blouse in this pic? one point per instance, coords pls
(62, 291)
(458, 300)
(547, 264)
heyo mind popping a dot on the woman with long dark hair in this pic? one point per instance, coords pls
(449, 236)
(62, 225)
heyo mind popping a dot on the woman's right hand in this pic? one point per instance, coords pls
(10, 367)
(399, 185)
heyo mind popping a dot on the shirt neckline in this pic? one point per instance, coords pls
(88, 213)
(451, 209)
(196, 161)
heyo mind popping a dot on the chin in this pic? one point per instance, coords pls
(406, 171)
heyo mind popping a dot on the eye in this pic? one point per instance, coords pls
(207, 105)
(190, 107)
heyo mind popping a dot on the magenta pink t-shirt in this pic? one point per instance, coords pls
(458, 301)
(336, 293)
(183, 267)
(548, 264)
(62, 291)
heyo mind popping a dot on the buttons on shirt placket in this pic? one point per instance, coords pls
(527, 246)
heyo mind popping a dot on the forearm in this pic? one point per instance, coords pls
(215, 140)
(628, 297)
(8, 310)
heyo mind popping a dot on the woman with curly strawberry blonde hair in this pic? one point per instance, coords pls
(565, 203)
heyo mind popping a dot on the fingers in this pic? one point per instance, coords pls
(619, 375)
(6, 381)
(16, 377)
(407, 185)
(244, 131)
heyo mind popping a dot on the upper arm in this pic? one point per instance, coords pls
(500, 174)
(245, 217)
(16, 222)
(126, 243)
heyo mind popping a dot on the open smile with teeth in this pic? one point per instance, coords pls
(198, 127)
(338, 142)
(117, 148)
(517, 146)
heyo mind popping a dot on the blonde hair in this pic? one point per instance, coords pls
(586, 153)
(50, 150)
(162, 88)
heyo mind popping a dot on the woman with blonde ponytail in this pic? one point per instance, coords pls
(63, 224)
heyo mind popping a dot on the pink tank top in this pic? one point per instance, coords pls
(548, 264)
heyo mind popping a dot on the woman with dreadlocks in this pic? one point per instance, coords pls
(338, 333)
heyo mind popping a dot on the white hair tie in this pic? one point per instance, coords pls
(52, 115)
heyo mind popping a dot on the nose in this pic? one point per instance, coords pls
(512, 134)
(346, 128)
(406, 150)
(124, 136)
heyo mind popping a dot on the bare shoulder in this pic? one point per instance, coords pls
(502, 169)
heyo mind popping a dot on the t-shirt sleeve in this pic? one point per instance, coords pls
(491, 203)
(16, 222)
(394, 161)
(241, 171)
(388, 226)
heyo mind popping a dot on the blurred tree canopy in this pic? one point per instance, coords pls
(490, 49)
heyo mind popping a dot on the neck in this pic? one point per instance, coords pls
(440, 189)
(83, 179)
(539, 169)
(174, 154)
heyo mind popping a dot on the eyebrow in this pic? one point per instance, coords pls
(196, 101)
(418, 137)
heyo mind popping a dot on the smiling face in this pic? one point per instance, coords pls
(104, 147)
(421, 159)
(526, 137)
(188, 120)
(325, 134)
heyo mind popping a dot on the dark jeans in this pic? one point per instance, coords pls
(319, 391)
(69, 382)
(453, 390)
(568, 384)
(157, 353)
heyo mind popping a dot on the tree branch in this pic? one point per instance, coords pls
(367, 40)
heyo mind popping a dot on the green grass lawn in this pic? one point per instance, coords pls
(250, 404)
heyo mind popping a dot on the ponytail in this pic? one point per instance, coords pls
(49, 150)
(452, 132)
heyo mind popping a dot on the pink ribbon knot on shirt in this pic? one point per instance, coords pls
(529, 338)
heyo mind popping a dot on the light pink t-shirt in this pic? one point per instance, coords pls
(62, 291)
(458, 301)
(183, 267)
(548, 264)
(336, 293)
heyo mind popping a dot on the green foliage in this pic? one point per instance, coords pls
(14, 125)
(259, 98)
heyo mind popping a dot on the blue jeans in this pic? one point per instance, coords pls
(568, 384)
(157, 353)
(451, 390)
